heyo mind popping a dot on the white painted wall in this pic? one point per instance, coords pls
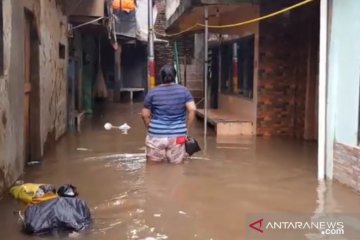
(344, 69)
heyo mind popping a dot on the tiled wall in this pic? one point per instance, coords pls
(347, 165)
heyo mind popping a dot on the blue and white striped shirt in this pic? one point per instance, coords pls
(167, 104)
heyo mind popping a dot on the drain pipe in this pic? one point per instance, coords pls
(322, 137)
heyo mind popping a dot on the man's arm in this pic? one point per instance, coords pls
(191, 108)
(146, 116)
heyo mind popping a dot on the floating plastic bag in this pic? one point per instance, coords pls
(67, 190)
(33, 193)
(61, 214)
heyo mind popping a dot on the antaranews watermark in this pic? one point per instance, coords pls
(298, 226)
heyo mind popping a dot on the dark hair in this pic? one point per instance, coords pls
(167, 74)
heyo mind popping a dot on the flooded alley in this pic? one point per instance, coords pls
(206, 198)
(268, 89)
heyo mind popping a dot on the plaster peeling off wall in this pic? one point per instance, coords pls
(11, 95)
(52, 71)
(7, 134)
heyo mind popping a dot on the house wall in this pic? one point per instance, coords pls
(343, 92)
(288, 50)
(51, 24)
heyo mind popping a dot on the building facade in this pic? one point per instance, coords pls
(33, 89)
(300, 78)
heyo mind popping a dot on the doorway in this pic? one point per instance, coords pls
(32, 141)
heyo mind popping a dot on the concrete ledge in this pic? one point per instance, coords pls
(227, 124)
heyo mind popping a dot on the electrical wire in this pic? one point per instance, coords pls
(200, 25)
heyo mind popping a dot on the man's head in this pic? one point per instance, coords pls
(167, 74)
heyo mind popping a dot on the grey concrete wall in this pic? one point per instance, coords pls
(51, 25)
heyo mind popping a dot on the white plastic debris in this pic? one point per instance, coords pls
(83, 149)
(157, 215)
(108, 126)
(182, 212)
(32, 163)
(124, 128)
(150, 238)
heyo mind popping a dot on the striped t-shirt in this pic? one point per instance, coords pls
(167, 104)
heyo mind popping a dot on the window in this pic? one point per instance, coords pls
(243, 82)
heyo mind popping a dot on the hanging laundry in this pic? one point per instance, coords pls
(124, 5)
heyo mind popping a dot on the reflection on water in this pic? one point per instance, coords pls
(206, 198)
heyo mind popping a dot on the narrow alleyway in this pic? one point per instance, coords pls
(206, 198)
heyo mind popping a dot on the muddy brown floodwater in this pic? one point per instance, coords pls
(207, 198)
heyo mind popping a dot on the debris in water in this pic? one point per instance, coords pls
(152, 229)
(31, 163)
(150, 238)
(83, 149)
(19, 182)
(108, 126)
(157, 215)
(123, 128)
(181, 212)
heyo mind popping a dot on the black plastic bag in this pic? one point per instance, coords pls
(67, 190)
(70, 214)
(192, 146)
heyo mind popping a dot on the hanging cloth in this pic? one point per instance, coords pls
(100, 87)
(124, 5)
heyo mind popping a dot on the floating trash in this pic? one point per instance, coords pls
(83, 149)
(157, 215)
(123, 128)
(32, 163)
(182, 213)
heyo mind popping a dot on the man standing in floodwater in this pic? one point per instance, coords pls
(164, 116)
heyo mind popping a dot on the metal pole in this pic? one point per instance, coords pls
(322, 89)
(206, 13)
(151, 59)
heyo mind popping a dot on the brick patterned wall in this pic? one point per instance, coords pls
(164, 52)
(283, 69)
(347, 165)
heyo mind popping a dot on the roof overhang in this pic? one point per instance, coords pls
(190, 12)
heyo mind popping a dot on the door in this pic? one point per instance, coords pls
(27, 87)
